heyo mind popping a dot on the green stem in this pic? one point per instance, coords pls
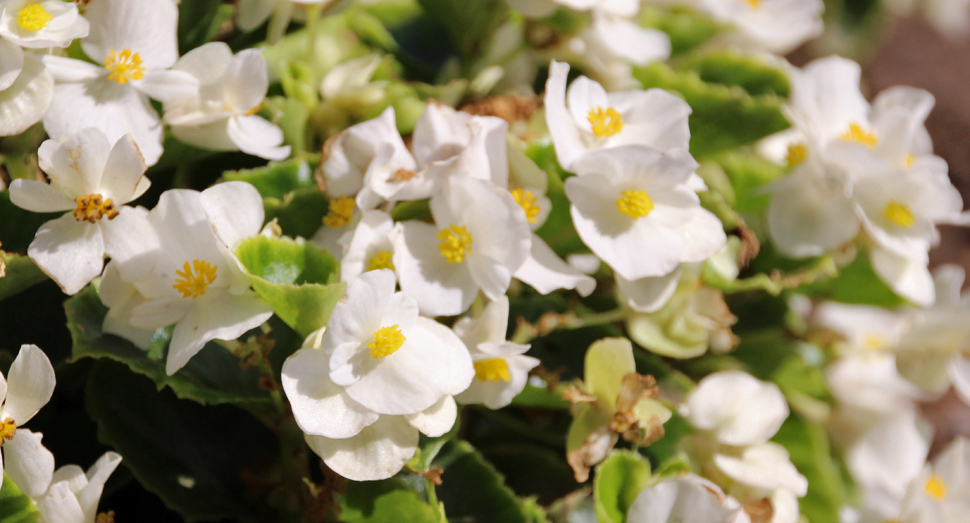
(312, 25)
(602, 318)
(279, 22)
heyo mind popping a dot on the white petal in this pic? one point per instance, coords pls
(76, 166)
(71, 70)
(498, 394)
(60, 505)
(131, 242)
(377, 452)
(439, 287)
(23, 103)
(565, 134)
(252, 13)
(808, 218)
(208, 63)
(28, 463)
(65, 26)
(908, 278)
(97, 476)
(649, 294)
(11, 63)
(627, 40)
(123, 171)
(146, 27)
(69, 251)
(235, 210)
(30, 384)
(37, 196)
(545, 272)
(169, 86)
(437, 419)
(256, 136)
(764, 466)
(246, 81)
(680, 500)
(216, 315)
(356, 318)
(738, 408)
(320, 406)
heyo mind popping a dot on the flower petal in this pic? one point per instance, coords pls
(377, 452)
(545, 272)
(28, 463)
(69, 251)
(256, 136)
(123, 171)
(235, 210)
(37, 196)
(146, 27)
(30, 384)
(437, 419)
(11, 63)
(24, 102)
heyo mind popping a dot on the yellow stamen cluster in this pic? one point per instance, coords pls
(8, 429)
(857, 133)
(755, 4)
(797, 154)
(605, 122)
(402, 175)
(106, 517)
(33, 18)
(387, 340)
(527, 201)
(900, 214)
(935, 488)
(492, 369)
(381, 260)
(124, 66)
(874, 342)
(910, 160)
(192, 285)
(456, 243)
(340, 211)
(635, 203)
(93, 207)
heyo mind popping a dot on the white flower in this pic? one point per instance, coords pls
(41, 23)
(737, 408)
(73, 496)
(447, 142)
(501, 368)
(371, 246)
(764, 466)
(687, 499)
(349, 85)
(136, 42)
(632, 206)
(193, 280)
(941, 493)
(585, 118)
(28, 387)
(96, 180)
(778, 26)
(388, 358)
(480, 238)
(26, 89)
(220, 113)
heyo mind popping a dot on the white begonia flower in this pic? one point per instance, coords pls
(941, 493)
(737, 408)
(480, 238)
(687, 499)
(135, 54)
(96, 180)
(764, 466)
(219, 114)
(26, 89)
(349, 84)
(28, 387)
(41, 24)
(632, 206)
(194, 281)
(585, 118)
(73, 495)
(371, 246)
(501, 368)
(777, 26)
(388, 358)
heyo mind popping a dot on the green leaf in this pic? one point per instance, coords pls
(277, 179)
(199, 21)
(18, 226)
(298, 279)
(387, 501)
(533, 397)
(470, 23)
(15, 507)
(619, 480)
(724, 117)
(472, 489)
(811, 455)
(686, 27)
(743, 70)
(191, 456)
(212, 376)
(300, 214)
(21, 274)
(856, 283)
(749, 174)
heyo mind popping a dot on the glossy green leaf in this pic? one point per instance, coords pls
(687, 28)
(191, 456)
(747, 71)
(277, 179)
(749, 175)
(20, 274)
(387, 501)
(300, 214)
(811, 454)
(298, 279)
(856, 283)
(199, 21)
(15, 507)
(212, 376)
(540, 398)
(18, 226)
(619, 480)
(472, 489)
(724, 117)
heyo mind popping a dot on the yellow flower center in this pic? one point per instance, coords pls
(93, 207)
(493, 369)
(456, 243)
(33, 18)
(527, 201)
(857, 133)
(755, 4)
(873, 342)
(935, 488)
(910, 160)
(635, 204)
(797, 154)
(8, 429)
(381, 260)
(900, 214)
(124, 66)
(194, 284)
(340, 211)
(387, 340)
(402, 175)
(605, 122)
